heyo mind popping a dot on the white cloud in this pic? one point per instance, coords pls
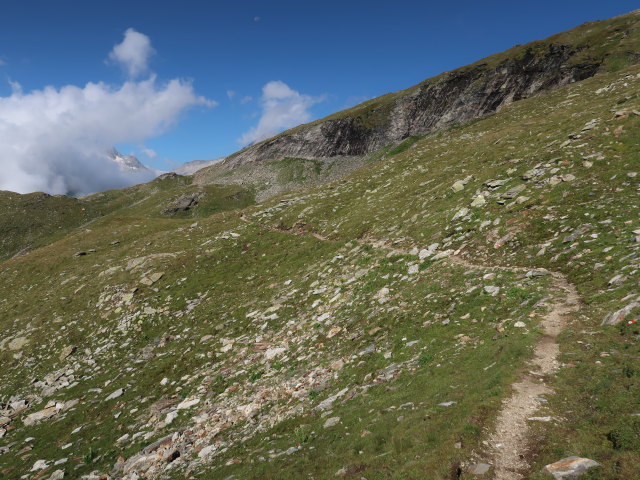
(246, 99)
(133, 53)
(150, 153)
(282, 108)
(56, 140)
(231, 94)
(2, 62)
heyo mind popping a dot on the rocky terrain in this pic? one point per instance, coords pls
(189, 168)
(462, 305)
(457, 96)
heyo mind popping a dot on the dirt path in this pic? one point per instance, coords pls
(509, 442)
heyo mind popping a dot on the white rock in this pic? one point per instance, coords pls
(460, 213)
(41, 415)
(570, 467)
(479, 201)
(331, 422)
(18, 343)
(171, 416)
(116, 394)
(540, 419)
(188, 403)
(39, 465)
(57, 475)
(206, 451)
(492, 290)
(424, 253)
(271, 353)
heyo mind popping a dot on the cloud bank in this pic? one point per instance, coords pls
(282, 108)
(56, 139)
(133, 53)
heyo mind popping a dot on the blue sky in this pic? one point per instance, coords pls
(334, 54)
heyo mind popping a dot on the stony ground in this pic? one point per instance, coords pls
(373, 328)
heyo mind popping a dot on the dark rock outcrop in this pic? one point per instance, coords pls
(453, 97)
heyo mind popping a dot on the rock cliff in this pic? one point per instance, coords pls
(457, 96)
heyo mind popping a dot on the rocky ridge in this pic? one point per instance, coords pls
(453, 97)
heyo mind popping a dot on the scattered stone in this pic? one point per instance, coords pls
(533, 173)
(513, 192)
(570, 467)
(39, 465)
(617, 280)
(572, 237)
(181, 204)
(495, 183)
(331, 422)
(151, 279)
(478, 201)
(492, 290)
(41, 415)
(520, 324)
(206, 451)
(446, 404)
(619, 316)
(479, 468)
(188, 403)
(57, 475)
(540, 419)
(67, 352)
(272, 353)
(116, 394)
(18, 343)
(460, 213)
(457, 186)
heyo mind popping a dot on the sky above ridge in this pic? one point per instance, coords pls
(173, 82)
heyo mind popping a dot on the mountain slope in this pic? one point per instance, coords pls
(460, 95)
(37, 219)
(355, 329)
(189, 168)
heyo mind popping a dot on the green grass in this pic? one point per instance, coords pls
(263, 281)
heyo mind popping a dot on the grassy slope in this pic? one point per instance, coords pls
(132, 335)
(33, 220)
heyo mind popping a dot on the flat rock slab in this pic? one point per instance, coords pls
(479, 468)
(116, 394)
(570, 467)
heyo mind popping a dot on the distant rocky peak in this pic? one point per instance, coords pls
(126, 162)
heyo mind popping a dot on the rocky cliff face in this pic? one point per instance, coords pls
(454, 97)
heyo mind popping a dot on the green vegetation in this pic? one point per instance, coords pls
(327, 331)
(31, 221)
